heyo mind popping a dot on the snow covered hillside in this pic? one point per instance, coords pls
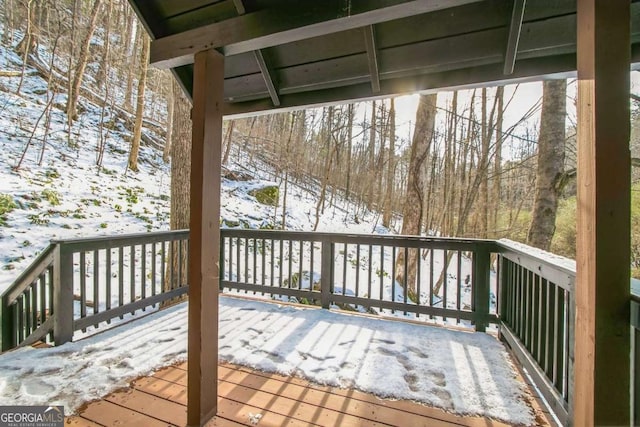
(66, 195)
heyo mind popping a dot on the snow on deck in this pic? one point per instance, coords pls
(462, 372)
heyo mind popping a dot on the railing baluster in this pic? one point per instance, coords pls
(344, 269)
(280, 262)
(405, 292)
(43, 295)
(416, 253)
(255, 261)
(181, 272)
(26, 297)
(459, 284)
(381, 275)
(238, 260)
(143, 272)
(445, 281)
(300, 261)
(154, 279)
(393, 276)
(431, 272)
(357, 269)
(311, 261)
(264, 263)
(246, 261)
(132, 274)
(172, 264)
(107, 275)
(290, 263)
(163, 265)
(271, 266)
(370, 267)
(121, 277)
(19, 312)
(96, 282)
(34, 305)
(83, 286)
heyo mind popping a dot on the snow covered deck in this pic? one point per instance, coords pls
(462, 373)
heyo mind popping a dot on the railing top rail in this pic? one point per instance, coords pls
(105, 242)
(556, 268)
(384, 239)
(42, 261)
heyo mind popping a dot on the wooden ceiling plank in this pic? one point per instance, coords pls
(515, 29)
(268, 80)
(372, 57)
(272, 27)
(485, 75)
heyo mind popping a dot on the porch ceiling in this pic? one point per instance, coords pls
(291, 53)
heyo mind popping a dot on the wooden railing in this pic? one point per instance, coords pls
(77, 284)
(358, 272)
(537, 319)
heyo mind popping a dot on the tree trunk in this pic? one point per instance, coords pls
(550, 163)
(72, 102)
(166, 153)
(137, 130)
(227, 149)
(413, 208)
(180, 185)
(391, 167)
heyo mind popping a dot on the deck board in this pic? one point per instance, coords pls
(161, 399)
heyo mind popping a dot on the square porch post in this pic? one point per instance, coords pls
(204, 247)
(602, 331)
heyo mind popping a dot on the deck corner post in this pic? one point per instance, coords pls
(326, 277)
(62, 294)
(482, 277)
(601, 389)
(204, 234)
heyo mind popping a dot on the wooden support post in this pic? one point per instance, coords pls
(602, 360)
(204, 247)
(481, 279)
(62, 295)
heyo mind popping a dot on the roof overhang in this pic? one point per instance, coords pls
(287, 54)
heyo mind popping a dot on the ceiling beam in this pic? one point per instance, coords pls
(271, 27)
(268, 80)
(262, 64)
(372, 57)
(239, 5)
(515, 28)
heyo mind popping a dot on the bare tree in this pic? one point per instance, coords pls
(551, 154)
(142, 81)
(83, 57)
(413, 206)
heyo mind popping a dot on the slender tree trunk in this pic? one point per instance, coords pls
(391, 167)
(166, 153)
(228, 139)
(137, 132)
(497, 164)
(550, 163)
(72, 102)
(371, 157)
(331, 148)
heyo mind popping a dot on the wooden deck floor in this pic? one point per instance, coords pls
(161, 399)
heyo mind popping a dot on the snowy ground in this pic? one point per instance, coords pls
(465, 373)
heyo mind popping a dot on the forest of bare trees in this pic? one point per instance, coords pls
(451, 169)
